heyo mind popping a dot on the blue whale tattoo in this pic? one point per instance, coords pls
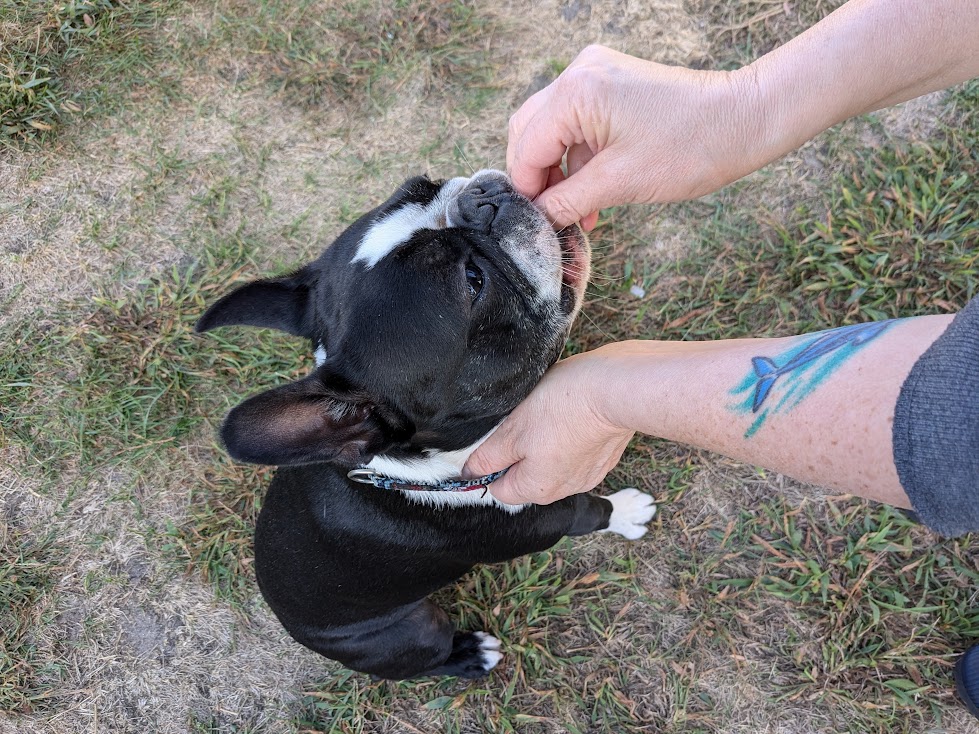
(768, 371)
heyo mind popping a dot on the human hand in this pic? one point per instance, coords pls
(557, 442)
(634, 131)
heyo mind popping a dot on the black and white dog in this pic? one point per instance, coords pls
(432, 316)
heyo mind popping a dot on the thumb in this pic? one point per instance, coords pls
(507, 489)
(577, 196)
(493, 455)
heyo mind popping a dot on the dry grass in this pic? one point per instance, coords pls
(219, 141)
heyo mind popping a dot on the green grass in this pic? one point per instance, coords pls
(57, 59)
(28, 570)
(527, 603)
(742, 31)
(840, 610)
(878, 611)
(120, 383)
(129, 382)
(359, 54)
(895, 234)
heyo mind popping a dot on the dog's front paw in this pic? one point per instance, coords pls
(631, 510)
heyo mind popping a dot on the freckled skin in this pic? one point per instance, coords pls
(839, 436)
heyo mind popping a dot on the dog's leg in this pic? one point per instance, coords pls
(419, 642)
(626, 512)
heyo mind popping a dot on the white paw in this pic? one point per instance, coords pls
(631, 510)
(489, 650)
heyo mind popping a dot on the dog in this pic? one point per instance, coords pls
(432, 317)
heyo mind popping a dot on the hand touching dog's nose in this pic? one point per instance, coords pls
(479, 205)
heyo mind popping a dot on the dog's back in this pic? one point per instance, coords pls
(432, 316)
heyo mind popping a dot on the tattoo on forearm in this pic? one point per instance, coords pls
(777, 384)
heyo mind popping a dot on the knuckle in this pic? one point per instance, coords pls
(575, 79)
(593, 52)
(561, 209)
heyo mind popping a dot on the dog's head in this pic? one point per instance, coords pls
(432, 316)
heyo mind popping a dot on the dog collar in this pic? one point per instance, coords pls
(364, 475)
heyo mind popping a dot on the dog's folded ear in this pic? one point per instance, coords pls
(319, 418)
(277, 303)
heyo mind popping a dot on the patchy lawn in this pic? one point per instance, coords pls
(176, 147)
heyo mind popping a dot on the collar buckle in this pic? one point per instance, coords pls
(362, 475)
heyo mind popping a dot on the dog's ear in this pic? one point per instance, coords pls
(278, 303)
(319, 418)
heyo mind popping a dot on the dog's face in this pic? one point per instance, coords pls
(433, 316)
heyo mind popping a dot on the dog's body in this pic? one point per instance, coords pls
(434, 315)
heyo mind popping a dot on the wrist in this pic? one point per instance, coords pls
(737, 108)
(625, 380)
(763, 129)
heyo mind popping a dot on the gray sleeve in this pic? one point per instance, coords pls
(936, 429)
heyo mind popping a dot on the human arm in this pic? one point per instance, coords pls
(636, 131)
(834, 431)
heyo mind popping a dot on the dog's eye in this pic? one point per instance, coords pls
(474, 278)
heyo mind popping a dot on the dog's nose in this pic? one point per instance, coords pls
(480, 204)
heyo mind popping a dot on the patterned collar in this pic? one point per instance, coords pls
(381, 481)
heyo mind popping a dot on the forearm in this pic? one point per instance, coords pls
(825, 419)
(867, 55)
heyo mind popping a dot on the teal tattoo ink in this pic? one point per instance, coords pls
(779, 383)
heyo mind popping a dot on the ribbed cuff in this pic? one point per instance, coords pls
(936, 429)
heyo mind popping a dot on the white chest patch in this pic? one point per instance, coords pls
(439, 466)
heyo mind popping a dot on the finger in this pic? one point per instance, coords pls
(519, 119)
(578, 157)
(576, 197)
(491, 456)
(542, 144)
(554, 176)
(529, 183)
(511, 488)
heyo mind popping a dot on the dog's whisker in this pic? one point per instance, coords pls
(465, 158)
(597, 326)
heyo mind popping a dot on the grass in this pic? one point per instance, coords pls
(894, 235)
(742, 31)
(28, 570)
(58, 58)
(748, 608)
(118, 384)
(123, 387)
(526, 602)
(359, 54)
(875, 608)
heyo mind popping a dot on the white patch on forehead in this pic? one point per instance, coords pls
(320, 355)
(397, 228)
